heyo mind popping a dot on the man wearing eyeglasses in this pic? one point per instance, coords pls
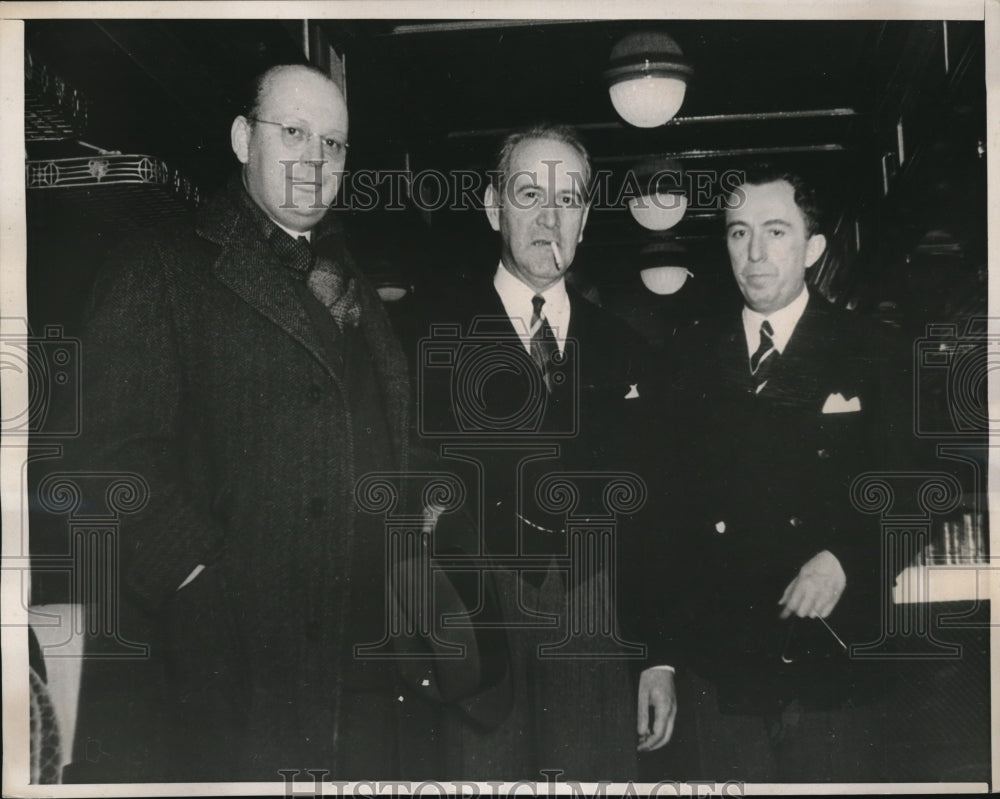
(246, 371)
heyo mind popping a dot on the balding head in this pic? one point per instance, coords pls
(288, 144)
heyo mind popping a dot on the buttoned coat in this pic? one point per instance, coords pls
(759, 483)
(205, 377)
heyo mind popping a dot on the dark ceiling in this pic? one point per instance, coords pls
(438, 95)
(459, 85)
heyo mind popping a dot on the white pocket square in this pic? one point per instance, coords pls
(836, 403)
(633, 391)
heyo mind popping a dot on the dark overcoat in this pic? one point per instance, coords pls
(205, 376)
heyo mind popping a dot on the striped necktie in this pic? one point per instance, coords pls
(763, 360)
(543, 343)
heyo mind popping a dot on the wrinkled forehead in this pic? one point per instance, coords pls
(547, 160)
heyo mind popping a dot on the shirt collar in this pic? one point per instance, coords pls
(783, 322)
(516, 297)
(295, 234)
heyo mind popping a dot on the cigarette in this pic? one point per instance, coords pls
(555, 254)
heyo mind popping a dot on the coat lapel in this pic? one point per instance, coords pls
(729, 364)
(245, 269)
(800, 373)
(249, 267)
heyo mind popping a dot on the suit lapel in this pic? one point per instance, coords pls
(800, 373)
(729, 364)
(578, 329)
(486, 315)
(494, 315)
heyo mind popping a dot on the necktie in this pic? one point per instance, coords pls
(327, 282)
(763, 360)
(543, 343)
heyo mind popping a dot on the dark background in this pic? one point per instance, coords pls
(907, 237)
(823, 97)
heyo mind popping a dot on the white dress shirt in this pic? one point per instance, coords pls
(516, 298)
(783, 322)
(295, 234)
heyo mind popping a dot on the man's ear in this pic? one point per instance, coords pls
(814, 248)
(492, 205)
(239, 138)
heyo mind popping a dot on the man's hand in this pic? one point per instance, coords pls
(656, 693)
(817, 588)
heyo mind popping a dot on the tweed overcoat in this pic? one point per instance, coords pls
(205, 376)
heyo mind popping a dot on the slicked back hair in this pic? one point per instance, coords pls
(805, 195)
(542, 131)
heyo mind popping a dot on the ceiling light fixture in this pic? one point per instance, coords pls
(647, 78)
(664, 271)
(662, 199)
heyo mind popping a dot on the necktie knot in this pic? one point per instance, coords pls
(536, 304)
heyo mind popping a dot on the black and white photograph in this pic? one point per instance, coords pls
(498, 398)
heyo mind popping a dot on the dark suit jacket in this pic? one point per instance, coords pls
(759, 484)
(477, 389)
(205, 376)
(587, 416)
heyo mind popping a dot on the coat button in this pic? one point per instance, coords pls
(823, 454)
(315, 393)
(720, 527)
(316, 507)
(795, 521)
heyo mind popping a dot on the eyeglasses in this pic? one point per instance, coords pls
(295, 137)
